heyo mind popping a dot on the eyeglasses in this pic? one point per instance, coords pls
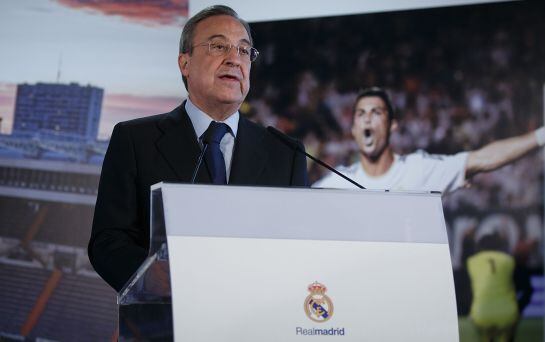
(219, 48)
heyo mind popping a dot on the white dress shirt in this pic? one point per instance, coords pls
(200, 121)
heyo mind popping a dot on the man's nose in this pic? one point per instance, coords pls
(233, 58)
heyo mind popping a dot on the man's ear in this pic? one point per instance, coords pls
(393, 126)
(183, 63)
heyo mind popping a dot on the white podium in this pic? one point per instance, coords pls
(284, 264)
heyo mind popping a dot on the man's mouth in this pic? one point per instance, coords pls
(368, 137)
(228, 77)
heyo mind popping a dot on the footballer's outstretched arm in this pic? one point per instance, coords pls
(502, 152)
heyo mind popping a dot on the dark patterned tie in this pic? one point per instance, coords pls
(213, 156)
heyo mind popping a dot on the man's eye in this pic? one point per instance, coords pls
(220, 47)
(244, 51)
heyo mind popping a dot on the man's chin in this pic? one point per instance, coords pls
(235, 102)
(230, 97)
(371, 154)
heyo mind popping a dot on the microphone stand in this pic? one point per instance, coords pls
(199, 162)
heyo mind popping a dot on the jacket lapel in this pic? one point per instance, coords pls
(179, 147)
(249, 156)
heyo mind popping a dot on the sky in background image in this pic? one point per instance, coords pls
(128, 48)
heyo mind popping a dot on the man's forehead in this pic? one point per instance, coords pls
(223, 37)
(222, 27)
(370, 102)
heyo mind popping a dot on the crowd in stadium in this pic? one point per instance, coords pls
(455, 87)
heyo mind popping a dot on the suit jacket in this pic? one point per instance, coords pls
(164, 147)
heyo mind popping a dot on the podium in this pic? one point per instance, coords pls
(230, 263)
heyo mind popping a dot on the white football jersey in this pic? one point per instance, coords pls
(418, 171)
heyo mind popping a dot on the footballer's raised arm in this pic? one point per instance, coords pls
(502, 152)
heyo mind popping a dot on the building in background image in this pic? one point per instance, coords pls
(58, 111)
(54, 121)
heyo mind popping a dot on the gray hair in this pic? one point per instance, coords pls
(186, 39)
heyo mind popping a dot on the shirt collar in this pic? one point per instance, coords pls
(201, 120)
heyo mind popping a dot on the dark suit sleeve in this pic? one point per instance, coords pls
(116, 247)
(299, 175)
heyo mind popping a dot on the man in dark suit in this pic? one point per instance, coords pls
(215, 60)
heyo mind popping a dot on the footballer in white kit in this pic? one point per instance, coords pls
(380, 168)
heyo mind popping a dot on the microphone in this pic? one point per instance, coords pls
(206, 137)
(199, 162)
(289, 141)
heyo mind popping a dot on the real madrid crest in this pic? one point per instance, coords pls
(318, 306)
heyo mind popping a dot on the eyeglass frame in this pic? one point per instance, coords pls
(210, 42)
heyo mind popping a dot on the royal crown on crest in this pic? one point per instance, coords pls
(317, 288)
